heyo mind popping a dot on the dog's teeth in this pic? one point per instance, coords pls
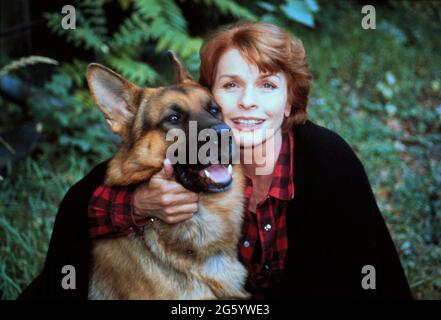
(207, 174)
(230, 169)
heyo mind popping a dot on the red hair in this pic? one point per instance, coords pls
(273, 50)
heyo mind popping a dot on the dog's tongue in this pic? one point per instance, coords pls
(217, 173)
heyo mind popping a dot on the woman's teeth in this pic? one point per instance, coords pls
(247, 122)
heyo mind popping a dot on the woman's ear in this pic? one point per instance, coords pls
(115, 96)
(180, 73)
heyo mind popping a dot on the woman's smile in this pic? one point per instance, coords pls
(247, 123)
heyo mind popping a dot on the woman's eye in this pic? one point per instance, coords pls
(173, 118)
(230, 85)
(268, 85)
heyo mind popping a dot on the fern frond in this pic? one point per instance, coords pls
(90, 29)
(161, 22)
(173, 14)
(24, 62)
(232, 8)
(133, 31)
(138, 72)
(75, 70)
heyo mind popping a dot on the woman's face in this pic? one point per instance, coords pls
(253, 103)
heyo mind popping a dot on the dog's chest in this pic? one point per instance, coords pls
(195, 259)
(150, 272)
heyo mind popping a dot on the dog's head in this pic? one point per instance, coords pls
(143, 117)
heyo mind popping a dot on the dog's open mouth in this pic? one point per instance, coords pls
(217, 175)
(211, 178)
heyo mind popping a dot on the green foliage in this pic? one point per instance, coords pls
(380, 89)
(29, 199)
(90, 31)
(382, 94)
(23, 62)
(229, 7)
(151, 28)
(70, 118)
(301, 11)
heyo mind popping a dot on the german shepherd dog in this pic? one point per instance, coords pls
(195, 259)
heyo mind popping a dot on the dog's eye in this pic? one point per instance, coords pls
(174, 118)
(214, 109)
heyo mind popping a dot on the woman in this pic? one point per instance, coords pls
(312, 228)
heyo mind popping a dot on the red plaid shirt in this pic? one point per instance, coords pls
(264, 242)
(110, 212)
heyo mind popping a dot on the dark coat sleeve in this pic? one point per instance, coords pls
(335, 226)
(69, 244)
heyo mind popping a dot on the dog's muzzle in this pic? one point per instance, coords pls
(213, 171)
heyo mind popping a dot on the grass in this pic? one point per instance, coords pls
(383, 96)
(29, 199)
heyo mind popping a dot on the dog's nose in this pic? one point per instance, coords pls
(225, 149)
(223, 143)
(221, 127)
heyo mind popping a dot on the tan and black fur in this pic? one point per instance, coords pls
(195, 259)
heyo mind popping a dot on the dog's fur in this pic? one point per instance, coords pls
(194, 259)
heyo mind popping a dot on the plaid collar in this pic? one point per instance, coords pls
(282, 185)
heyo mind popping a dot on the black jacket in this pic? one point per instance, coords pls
(334, 229)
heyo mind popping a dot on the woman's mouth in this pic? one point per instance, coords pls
(247, 124)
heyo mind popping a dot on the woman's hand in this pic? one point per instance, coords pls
(164, 198)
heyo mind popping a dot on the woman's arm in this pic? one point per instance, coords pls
(111, 214)
(118, 211)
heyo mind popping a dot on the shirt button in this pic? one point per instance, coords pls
(266, 267)
(267, 227)
(246, 243)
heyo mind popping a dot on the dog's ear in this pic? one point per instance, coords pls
(180, 73)
(115, 96)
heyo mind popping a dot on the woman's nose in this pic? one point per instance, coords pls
(247, 100)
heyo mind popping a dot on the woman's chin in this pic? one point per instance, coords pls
(249, 143)
(248, 137)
